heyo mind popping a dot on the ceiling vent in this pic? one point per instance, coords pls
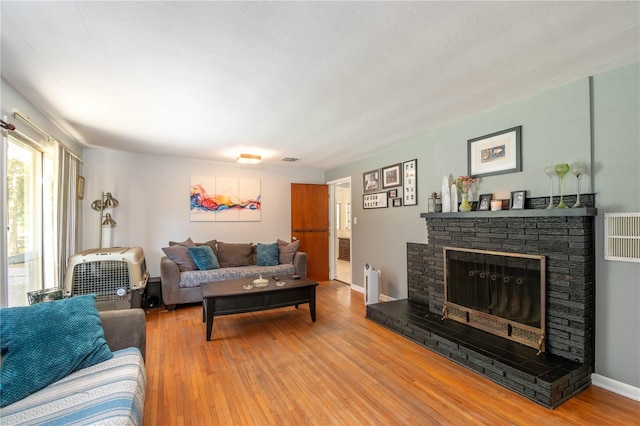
(290, 159)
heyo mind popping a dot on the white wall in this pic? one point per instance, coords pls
(11, 99)
(153, 192)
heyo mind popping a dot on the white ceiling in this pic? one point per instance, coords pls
(325, 82)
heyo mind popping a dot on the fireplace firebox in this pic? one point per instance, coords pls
(498, 292)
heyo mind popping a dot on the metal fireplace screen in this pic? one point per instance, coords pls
(501, 293)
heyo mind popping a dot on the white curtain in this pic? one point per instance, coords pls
(68, 209)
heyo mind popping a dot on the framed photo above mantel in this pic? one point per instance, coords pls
(375, 201)
(495, 154)
(391, 176)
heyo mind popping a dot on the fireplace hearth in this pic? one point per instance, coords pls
(564, 240)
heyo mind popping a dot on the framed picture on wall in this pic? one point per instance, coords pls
(371, 181)
(495, 154)
(375, 201)
(410, 183)
(391, 176)
(80, 188)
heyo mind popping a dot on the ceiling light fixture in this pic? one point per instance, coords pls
(249, 158)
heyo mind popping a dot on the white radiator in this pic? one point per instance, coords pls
(371, 285)
(622, 236)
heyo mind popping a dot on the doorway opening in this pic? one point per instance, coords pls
(341, 235)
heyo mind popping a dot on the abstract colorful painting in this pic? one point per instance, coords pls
(223, 199)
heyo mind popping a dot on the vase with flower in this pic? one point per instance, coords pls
(463, 183)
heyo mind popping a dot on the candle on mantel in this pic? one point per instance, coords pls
(496, 205)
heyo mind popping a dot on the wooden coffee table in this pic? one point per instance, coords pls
(230, 297)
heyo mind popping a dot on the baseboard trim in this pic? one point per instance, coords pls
(615, 386)
(383, 297)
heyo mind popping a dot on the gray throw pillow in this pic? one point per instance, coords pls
(234, 254)
(180, 254)
(187, 243)
(286, 251)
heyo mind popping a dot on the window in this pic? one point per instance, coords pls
(31, 220)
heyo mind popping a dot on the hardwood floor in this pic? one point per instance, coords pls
(278, 367)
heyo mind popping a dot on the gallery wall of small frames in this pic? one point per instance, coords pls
(395, 185)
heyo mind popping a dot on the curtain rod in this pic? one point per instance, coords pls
(17, 114)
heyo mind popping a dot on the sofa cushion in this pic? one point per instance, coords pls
(211, 243)
(267, 254)
(203, 257)
(180, 254)
(234, 254)
(193, 279)
(108, 393)
(287, 251)
(187, 243)
(44, 343)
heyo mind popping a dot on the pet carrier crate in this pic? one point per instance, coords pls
(118, 276)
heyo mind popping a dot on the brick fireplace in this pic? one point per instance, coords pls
(565, 239)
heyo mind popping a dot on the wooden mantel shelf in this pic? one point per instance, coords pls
(583, 211)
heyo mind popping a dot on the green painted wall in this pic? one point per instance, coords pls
(556, 128)
(616, 96)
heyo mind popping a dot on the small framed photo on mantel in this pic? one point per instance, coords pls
(484, 203)
(517, 200)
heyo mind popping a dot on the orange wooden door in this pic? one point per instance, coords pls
(310, 225)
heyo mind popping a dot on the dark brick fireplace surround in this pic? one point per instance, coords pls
(565, 238)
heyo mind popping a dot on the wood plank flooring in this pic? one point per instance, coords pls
(278, 367)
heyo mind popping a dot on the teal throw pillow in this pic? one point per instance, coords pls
(44, 343)
(204, 258)
(267, 254)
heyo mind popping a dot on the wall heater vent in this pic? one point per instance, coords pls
(622, 236)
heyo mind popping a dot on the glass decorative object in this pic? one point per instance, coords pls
(561, 171)
(438, 203)
(578, 169)
(432, 202)
(551, 172)
(464, 205)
